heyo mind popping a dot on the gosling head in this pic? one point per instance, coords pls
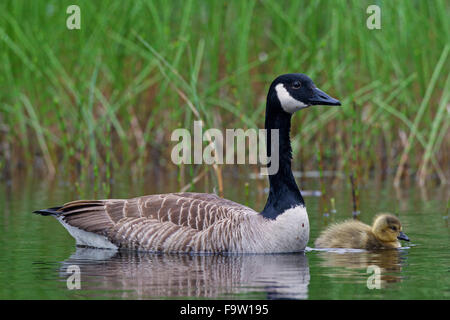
(296, 91)
(387, 228)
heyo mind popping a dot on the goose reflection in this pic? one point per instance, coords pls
(349, 263)
(138, 275)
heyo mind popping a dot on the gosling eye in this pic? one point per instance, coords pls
(394, 228)
(296, 85)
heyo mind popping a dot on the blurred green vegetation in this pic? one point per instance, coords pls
(109, 95)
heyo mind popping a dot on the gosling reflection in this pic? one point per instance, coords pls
(138, 275)
(349, 264)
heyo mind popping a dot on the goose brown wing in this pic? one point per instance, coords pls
(191, 211)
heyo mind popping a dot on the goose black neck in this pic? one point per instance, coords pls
(284, 192)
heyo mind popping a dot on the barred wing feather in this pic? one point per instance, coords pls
(175, 222)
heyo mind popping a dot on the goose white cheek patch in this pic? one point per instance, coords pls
(288, 103)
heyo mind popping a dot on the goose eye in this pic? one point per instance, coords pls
(394, 228)
(296, 85)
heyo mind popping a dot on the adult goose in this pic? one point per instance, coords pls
(206, 223)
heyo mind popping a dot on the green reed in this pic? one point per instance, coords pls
(110, 94)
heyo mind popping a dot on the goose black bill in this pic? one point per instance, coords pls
(402, 236)
(321, 98)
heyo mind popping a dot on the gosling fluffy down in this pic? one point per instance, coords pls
(383, 234)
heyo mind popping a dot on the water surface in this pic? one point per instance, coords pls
(36, 251)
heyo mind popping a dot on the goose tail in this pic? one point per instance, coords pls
(55, 211)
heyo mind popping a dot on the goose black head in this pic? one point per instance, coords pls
(296, 91)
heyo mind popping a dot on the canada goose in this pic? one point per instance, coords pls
(198, 222)
(384, 233)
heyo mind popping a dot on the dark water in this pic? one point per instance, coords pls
(36, 251)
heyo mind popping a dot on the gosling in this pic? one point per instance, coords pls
(384, 234)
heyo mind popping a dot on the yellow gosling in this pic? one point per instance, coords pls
(383, 234)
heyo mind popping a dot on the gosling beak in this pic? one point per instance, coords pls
(321, 98)
(402, 236)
